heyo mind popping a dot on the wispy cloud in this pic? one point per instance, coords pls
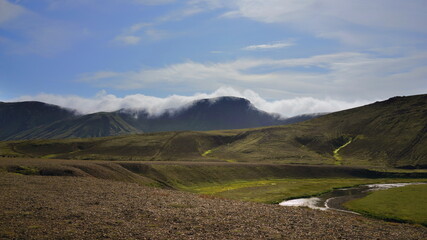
(67, 4)
(136, 37)
(216, 52)
(349, 75)
(275, 45)
(155, 106)
(9, 11)
(30, 33)
(154, 2)
(128, 40)
(352, 22)
(148, 30)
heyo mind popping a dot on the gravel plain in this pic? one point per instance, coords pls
(47, 207)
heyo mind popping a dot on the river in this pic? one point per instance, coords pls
(334, 200)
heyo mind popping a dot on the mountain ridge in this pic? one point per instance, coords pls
(200, 115)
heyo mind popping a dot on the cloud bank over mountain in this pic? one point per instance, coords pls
(156, 106)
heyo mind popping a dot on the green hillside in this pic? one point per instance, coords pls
(391, 133)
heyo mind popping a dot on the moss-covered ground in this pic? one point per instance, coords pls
(403, 204)
(277, 190)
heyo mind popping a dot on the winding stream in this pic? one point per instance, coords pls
(334, 200)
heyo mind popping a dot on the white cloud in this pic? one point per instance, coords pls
(346, 75)
(155, 106)
(275, 45)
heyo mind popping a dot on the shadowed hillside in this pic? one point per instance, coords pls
(391, 133)
(206, 114)
(34, 120)
(87, 126)
(23, 116)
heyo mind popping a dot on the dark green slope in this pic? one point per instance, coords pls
(22, 116)
(36, 120)
(87, 126)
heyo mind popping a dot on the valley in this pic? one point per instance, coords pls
(219, 183)
(388, 134)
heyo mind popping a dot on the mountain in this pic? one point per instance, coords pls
(390, 133)
(86, 126)
(204, 115)
(23, 116)
(35, 120)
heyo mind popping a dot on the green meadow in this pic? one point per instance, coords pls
(277, 190)
(403, 204)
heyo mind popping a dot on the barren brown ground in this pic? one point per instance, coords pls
(46, 207)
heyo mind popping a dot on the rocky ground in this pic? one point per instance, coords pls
(42, 207)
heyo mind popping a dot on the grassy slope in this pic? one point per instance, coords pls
(147, 147)
(251, 182)
(385, 134)
(403, 204)
(390, 133)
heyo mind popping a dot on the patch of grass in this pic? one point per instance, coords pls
(25, 170)
(337, 156)
(403, 204)
(277, 190)
(7, 150)
(207, 153)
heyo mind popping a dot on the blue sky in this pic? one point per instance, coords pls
(286, 56)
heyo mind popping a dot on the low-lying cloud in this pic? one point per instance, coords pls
(155, 106)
